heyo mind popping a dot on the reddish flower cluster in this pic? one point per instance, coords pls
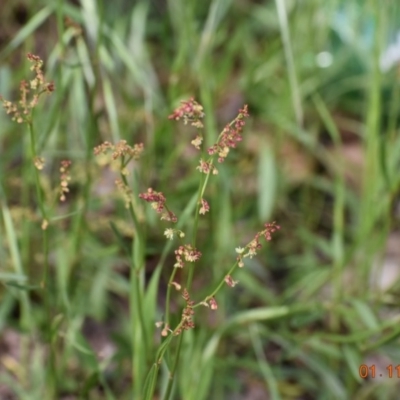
(229, 136)
(20, 111)
(120, 149)
(39, 83)
(187, 314)
(206, 167)
(186, 253)
(157, 198)
(204, 207)
(191, 111)
(213, 303)
(157, 201)
(229, 281)
(270, 228)
(251, 249)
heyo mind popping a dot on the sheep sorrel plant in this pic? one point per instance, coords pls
(161, 322)
(186, 254)
(23, 112)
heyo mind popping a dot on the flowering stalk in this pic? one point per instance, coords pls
(140, 338)
(192, 112)
(227, 139)
(22, 112)
(185, 254)
(250, 250)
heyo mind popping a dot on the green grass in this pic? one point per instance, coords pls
(79, 300)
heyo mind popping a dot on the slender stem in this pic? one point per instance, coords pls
(196, 215)
(37, 178)
(218, 287)
(140, 341)
(169, 295)
(152, 375)
(174, 368)
(231, 270)
(151, 379)
(51, 370)
(202, 187)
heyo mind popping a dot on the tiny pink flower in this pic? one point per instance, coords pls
(204, 207)
(213, 303)
(165, 331)
(157, 201)
(205, 166)
(189, 111)
(230, 282)
(186, 253)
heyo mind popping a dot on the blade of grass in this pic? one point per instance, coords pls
(287, 47)
(265, 368)
(369, 216)
(217, 10)
(11, 235)
(266, 182)
(337, 239)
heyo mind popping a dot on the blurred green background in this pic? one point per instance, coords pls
(320, 155)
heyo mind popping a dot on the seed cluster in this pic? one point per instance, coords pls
(64, 178)
(251, 249)
(157, 201)
(187, 314)
(204, 207)
(29, 92)
(120, 149)
(186, 253)
(190, 111)
(230, 135)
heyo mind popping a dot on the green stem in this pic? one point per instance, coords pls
(202, 187)
(37, 178)
(230, 272)
(51, 370)
(151, 379)
(167, 310)
(218, 287)
(174, 368)
(140, 340)
(201, 190)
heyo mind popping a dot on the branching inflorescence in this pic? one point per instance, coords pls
(186, 253)
(191, 112)
(21, 111)
(29, 92)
